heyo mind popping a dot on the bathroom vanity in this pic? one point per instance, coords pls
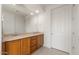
(22, 44)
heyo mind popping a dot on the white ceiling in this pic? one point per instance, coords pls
(26, 9)
(33, 7)
(52, 5)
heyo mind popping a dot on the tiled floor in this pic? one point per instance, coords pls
(47, 51)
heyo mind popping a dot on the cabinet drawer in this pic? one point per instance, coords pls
(32, 49)
(34, 37)
(33, 41)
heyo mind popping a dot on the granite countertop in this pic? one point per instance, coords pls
(19, 36)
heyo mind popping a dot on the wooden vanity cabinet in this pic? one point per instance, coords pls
(3, 48)
(24, 46)
(13, 47)
(33, 44)
(40, 41)
(28, 45)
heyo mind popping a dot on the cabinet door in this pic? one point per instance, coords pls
(25, 46)
(13, 47)
(39, 41)
(3, 48)
(42, 39)
(32, 49)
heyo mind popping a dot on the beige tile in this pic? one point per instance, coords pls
(47, 51)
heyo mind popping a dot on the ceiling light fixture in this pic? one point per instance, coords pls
(37, 11)
(31, 13)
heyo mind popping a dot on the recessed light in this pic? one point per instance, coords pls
(37, 11)
(31, 13)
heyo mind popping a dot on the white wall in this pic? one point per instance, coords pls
(40, 23)
(20, 23)
(0, 30)
(8, 22)
(75, 24)
(13, 22)
(31, 23)
(44, 25)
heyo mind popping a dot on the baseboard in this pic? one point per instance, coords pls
(62, 51)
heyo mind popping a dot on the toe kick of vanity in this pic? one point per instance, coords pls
(25, 45)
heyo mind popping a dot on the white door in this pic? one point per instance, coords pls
(61, 28)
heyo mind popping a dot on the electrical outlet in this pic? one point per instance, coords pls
(73, 33)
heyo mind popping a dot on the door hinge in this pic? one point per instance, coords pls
(73, 47)
(73, 33)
